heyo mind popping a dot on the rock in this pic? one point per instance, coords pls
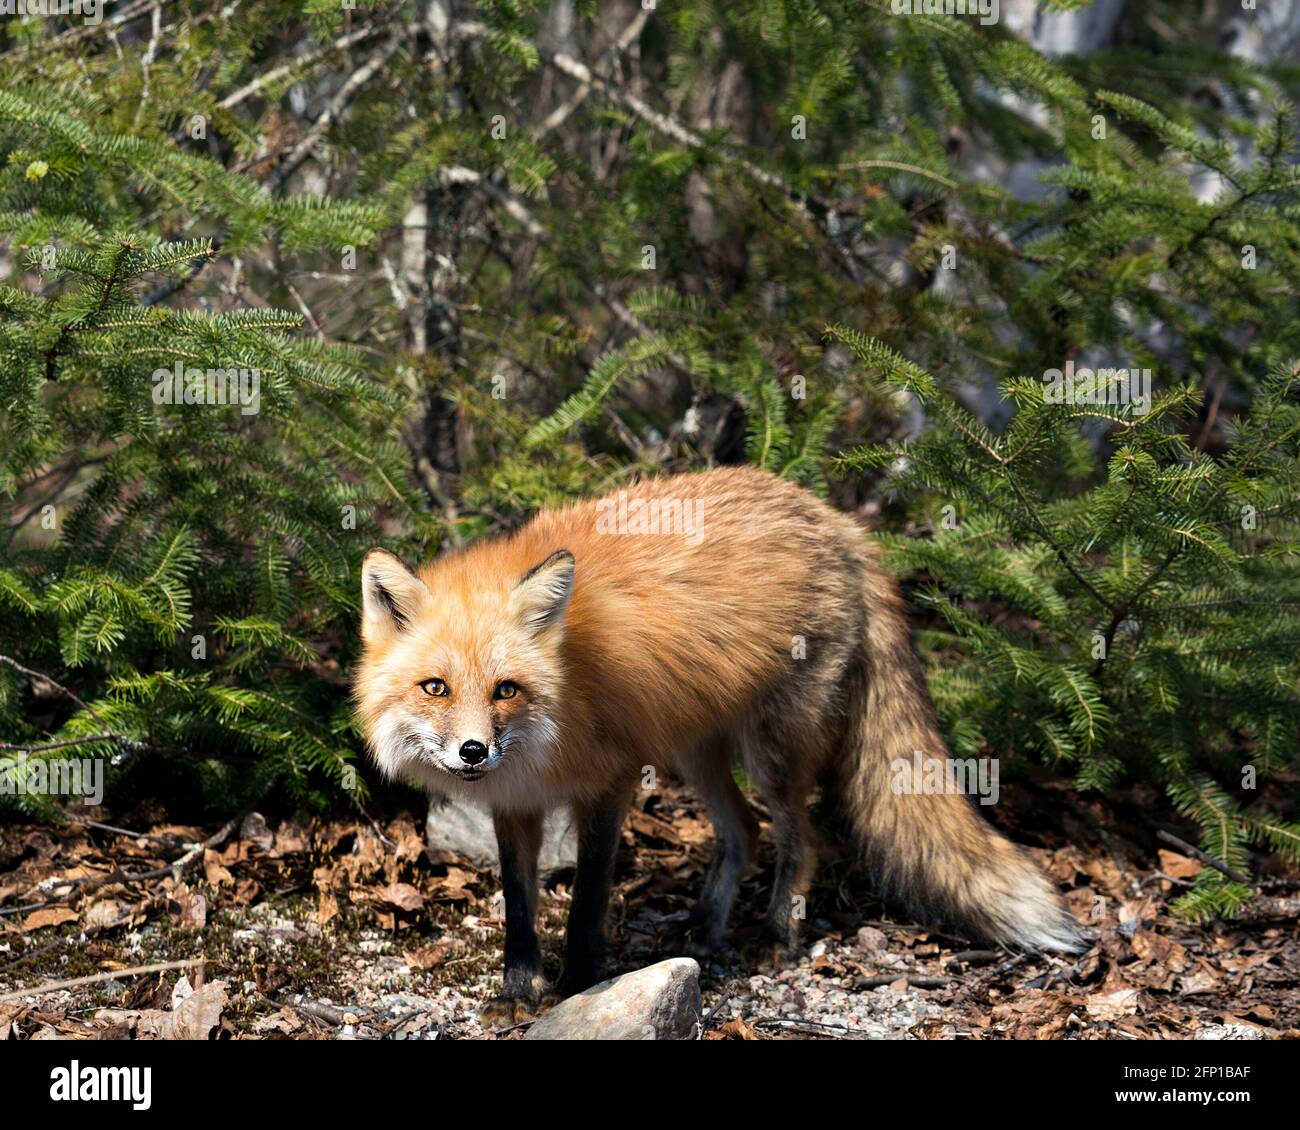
(255, 830)
(872, 940)
(659, 1002)
(466, 829)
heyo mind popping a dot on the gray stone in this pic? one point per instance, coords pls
(659, 1002)
(466, 829)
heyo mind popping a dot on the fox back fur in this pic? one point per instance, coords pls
(551, 666)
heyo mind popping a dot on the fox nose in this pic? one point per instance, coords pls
(472, 752)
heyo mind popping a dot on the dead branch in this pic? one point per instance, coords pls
(1209, 860)
(74, 982)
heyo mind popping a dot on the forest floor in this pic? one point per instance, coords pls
(331, 928)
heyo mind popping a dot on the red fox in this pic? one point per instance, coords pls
(692, 623)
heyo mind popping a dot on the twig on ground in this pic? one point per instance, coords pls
(1209, 860)
(513, 1027)
(1268, 908)
(974, 957)
(72, 817)
(914, 980)
(109, 974)
(117, 875)
(331, 1014)
(1059, 971)
(809, 1027)
(713, 1012)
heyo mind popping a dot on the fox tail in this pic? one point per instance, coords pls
(932, 852)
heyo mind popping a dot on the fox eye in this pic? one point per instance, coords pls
(435, 687)
(506, 689)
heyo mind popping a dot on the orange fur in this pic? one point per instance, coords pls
(769, 634)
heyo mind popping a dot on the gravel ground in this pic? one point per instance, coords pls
(331, 929)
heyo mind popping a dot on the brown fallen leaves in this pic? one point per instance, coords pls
(338, 885)
(194, 1015)
(1149, 975)
(372, 877)
(394, 877)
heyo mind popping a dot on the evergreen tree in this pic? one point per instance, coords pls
(486, 257)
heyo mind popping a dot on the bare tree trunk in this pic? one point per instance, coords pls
(431, 249)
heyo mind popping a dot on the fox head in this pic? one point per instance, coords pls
(462, 671)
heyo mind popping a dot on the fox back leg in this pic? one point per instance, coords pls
(782, 755)
(735, 832)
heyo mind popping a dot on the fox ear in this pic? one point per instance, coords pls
(390, 595)
(542, 594)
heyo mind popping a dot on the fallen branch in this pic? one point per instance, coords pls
(1267, 908)
(974, 957)
(712, 1014)
(75, 982)
(331, 1014)
(1209, 860)
(174, 869)
(809, 1027)
(914, 980)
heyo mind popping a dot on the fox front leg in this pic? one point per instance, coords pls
(599, 823)
(519, 839)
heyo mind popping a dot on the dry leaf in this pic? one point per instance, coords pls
(401, 896)
(738, 1030)
(1111, 1006)
(410, 844)
(214, 871)
(103, 914)
(193, 908)
(1203, 981)
(49, 916)
(653, 828)
(198, 1013)
(328, 908)
(1179, 866)
(454, 887)
(290, 839)
(430, 956)
(8, 1014)
(284, 1021)
(1150, 946)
